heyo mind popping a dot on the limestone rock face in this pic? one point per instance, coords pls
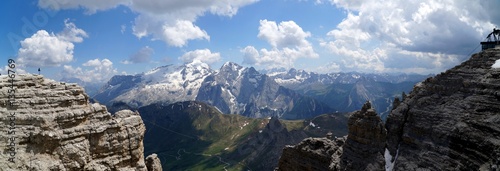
(450, 121)
(56, 128)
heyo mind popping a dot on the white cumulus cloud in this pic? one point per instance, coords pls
(204, 55)
(421, 36)
(45, 49)
(288, 43)
(94, 70)
(171, 21)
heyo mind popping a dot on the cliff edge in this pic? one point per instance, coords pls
(362, 149)
(450, 121)
(48, 125)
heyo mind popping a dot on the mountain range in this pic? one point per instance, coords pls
(234, 89)
(347, 92)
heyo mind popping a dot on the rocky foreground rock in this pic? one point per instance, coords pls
(448, 122)
(49, 125)
(362, 149)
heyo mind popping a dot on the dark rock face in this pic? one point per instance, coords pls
(363, 148)
(450, 121)
(311, 154)
(365, 144)
(153, 163)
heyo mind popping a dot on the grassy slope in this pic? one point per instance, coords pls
(195, 136)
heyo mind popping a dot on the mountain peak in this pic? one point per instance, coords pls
(231, 66)
(197, 64)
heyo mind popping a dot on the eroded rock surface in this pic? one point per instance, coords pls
(450, 121)
(365, 144)
(153, 163)
(311, 154)
(361, 149)
(56, 128)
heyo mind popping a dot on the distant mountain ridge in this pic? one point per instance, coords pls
(233, 89)
(347, 92)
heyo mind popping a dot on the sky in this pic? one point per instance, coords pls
(93, 40)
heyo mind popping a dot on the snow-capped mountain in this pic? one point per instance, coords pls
(166, 84)
(238, 90)
(232, 89)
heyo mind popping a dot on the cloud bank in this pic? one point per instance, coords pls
(95, 70)
(170, 21)
(45, 49)
(288, 43)
(203, 55)
(409, 36)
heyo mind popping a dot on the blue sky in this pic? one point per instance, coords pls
(93, 40)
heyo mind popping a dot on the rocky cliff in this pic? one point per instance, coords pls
(311, 154)
(450, 121)
(362, 149)
(365, 144)
(48, 125)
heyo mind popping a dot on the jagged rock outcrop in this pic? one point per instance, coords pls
(56, 128)
(450, 121)
(362, 149)
(153, 163)
(311, 154)
(365, 144)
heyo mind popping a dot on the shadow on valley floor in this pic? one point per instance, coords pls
(196, 136)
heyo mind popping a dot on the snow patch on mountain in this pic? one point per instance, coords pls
(166, 84)
(496, 64)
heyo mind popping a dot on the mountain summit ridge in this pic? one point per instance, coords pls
(233, 89)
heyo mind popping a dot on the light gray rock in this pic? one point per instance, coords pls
(56, 128)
